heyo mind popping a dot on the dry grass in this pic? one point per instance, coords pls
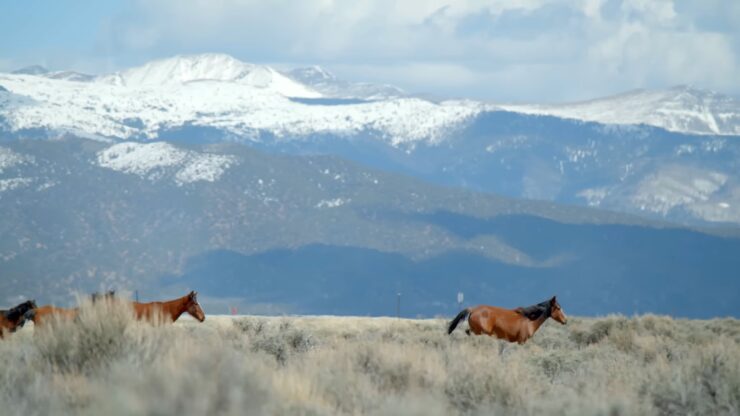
(332, 365)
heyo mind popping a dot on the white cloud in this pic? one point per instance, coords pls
(510, 50)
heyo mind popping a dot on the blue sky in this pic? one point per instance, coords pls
(510, 50)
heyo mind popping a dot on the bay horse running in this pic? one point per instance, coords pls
(171, 310)
(43, 314)
(15, 317)
(513, 325)
(40, 316)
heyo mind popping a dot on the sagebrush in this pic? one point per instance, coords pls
(108, 363)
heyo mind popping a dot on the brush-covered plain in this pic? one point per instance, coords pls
(105, 362)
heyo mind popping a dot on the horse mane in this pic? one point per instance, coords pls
(534, 312)
(14, 313)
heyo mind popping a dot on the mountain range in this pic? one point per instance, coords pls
(319, 234)
(664, 154)
(298, 192)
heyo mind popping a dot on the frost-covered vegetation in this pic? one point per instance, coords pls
(335, 365)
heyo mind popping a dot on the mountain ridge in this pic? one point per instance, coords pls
(527, 153)
(679, 109)
(80, 216)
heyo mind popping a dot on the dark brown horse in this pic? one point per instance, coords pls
(170, 310)
(14, 318)
(513, 325)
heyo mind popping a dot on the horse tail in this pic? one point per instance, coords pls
(460, 316)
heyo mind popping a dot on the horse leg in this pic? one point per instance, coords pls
(467, 332)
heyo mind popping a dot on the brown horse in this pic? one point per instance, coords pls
(43, 314)
(513, 325)
(14, 318)
(170, 310)
(40, 316)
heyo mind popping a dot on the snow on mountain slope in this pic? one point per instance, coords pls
(210, 67)
(9, 159)
(14, 183)
(219, 91)
(31, 70)
(330, 86)
(680, 109)
(677, 186)
(10, 179)
(154, 160)
(70, 76)
(134, 104)
(705, 193)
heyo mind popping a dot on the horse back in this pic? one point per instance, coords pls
(46, 312)
(147, 311)
(500, 322)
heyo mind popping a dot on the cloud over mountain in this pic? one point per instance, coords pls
(519, 51)
(534, 50)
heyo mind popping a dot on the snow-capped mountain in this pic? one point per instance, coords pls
(65, 75)
(548, 152)
(181, 70)
(246, 100)
(680, 109)
(212, 91)
(330, 86)
(31, 70)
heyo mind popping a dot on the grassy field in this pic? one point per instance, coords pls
(647, 365)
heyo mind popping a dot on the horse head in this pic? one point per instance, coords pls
(28, 305)
(20, 313)
(556, 312)
(21, 309)
(193, 307)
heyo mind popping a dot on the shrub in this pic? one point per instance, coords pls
(108, 363)
(91, 341)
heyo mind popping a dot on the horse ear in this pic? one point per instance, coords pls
(193, 294)
(553, 300)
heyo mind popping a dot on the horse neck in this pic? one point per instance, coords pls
(175, 308)
(13, 314)
(537, 323)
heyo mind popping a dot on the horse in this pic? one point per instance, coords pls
(41, 315)
(15, 317)
(513, 325)
(171, 310)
